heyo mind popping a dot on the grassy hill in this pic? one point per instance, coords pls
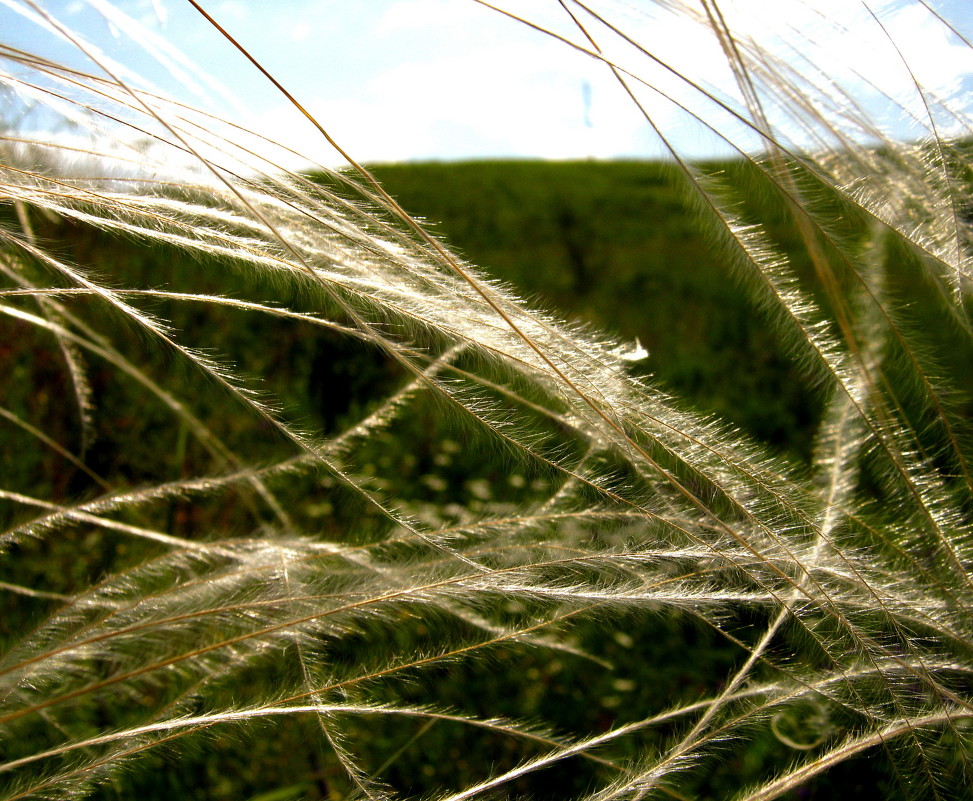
(613, 245)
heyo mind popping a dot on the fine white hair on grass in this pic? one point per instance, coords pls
(298, 499)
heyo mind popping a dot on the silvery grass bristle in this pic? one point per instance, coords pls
(169, 614)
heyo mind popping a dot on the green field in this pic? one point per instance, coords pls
(613, 246)
(487, 481)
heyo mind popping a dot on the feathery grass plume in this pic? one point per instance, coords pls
(211, 588)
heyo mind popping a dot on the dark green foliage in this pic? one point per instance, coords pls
(305, 505)
(609, 243)
(614, 245)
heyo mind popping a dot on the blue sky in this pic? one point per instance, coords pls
(449, 79)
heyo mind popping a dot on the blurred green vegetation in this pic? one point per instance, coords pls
(613, 245)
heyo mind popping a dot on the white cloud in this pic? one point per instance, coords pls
(233, 9)
(398, 79)
(300, 31)
(409, 16)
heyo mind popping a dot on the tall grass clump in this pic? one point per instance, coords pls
(502, 564)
